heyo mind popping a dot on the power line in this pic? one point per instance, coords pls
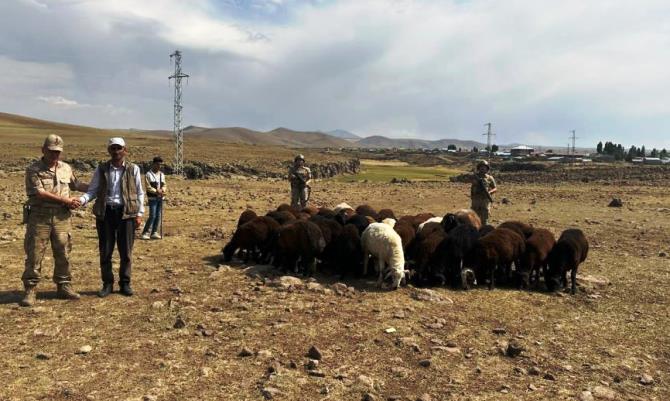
(178, 131)
(488, 134)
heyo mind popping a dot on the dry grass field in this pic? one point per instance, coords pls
(408, 344)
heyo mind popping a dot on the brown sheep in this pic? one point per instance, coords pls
(386, 214)
(299, 241)
(346, 251)
(367, 210)
(524, 229)
(538, 246)
(416, 220)
(569, 252)
(406, 232)
(427, 266)
(311, 210)
(288, 208)
(259, 233)
(246, 216)
(468, 216)
(325, 212)
(496, 251)
(282, 217)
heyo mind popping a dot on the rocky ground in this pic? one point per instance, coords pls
(201, 330)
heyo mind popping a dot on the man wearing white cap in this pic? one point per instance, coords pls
(117, 187)
(47, 217)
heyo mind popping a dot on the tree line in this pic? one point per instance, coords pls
(621, 153)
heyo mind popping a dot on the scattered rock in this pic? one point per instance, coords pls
(605, 393)
(205, 372)
(662, 254)
(534, 371)
(245, 352)
(312, 364)
(179, 323)
(499, 330)
(314, 353)
(505, 201)
(368, 397)
(287, 282)
(586, 396)
(269, 393)
(593, 281)
(157, 305)
(390, 330)
(85, 350)
(513, 349)
(646, 379)
(265, 354)
(615, 202)
(316, 373)
(149, 397)
(532, 387)
(43, 356)
(425, 363)
(366, 382)
(292, 365)
(428, 295)
(425, 397)
(549, 376)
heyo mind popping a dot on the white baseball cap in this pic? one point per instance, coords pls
(116, 141)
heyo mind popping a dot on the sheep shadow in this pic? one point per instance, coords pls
(10, 297)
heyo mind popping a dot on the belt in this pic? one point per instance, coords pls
(114, 207)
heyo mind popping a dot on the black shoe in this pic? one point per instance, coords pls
(126, 290)
(106, 290)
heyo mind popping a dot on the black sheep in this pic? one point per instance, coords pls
(359, 221)
(538, 246)
(523, 229)
(453, 255)
(570, 250)
(385, 214)
(246, 217)
(282, 217)
(367, 210)
(328, 213)
(486, 228)
(427, 266)
(259, 233)
(346, 251)
(496, 250)
(299, 241)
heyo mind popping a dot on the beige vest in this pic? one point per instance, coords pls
(131, 203)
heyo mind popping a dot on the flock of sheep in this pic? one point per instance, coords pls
(452, 250)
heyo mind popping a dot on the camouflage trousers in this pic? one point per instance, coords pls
(299, 196)
(47, 225)
(483, 209)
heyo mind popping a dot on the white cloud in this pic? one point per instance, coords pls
(430, 68)
(60, 101)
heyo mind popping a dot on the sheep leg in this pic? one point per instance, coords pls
(366, 260)
(380, 268)
(492, 275)
(573, 277)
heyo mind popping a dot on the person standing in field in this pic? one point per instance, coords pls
(155, 183)
(299, 175)
(117, 188)
(481, 191)
(47, 215)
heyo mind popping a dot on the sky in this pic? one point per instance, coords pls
(535, 69)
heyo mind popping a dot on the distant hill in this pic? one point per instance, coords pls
(340, 133)
(378, 141)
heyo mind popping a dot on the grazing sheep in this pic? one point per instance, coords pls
(428, 229)
(288, 208)
(453, 255)
(382, 242)
(386, 214)
(367, 210)
(328, 213)
(246, 216)
(431, 220)
(342, 207)
(416, 220)
(329, 228)
(486, 228)
(282, 217)
(361, 222)
(524, 229)
(370, 219)
(303, 216)
(389, 222)
(346, 251)
(258, 233)
(406, 232)
(468, 216)
(461, 217)
(538, 246)
(311, 210)
(298, 244)
(428, 269)
(496, 250)
(571, 249)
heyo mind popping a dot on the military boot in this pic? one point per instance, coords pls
(29, 296)
(65, 291)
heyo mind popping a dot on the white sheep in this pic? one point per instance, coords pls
(431, 220)
(381, 241)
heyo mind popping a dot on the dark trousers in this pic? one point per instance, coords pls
(115, 230)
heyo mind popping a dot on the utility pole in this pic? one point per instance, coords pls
(178, 132)
(488, 134)
(573, 137)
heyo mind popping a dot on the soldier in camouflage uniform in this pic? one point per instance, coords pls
(300, 177)
(48, 185)
(481, 202)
